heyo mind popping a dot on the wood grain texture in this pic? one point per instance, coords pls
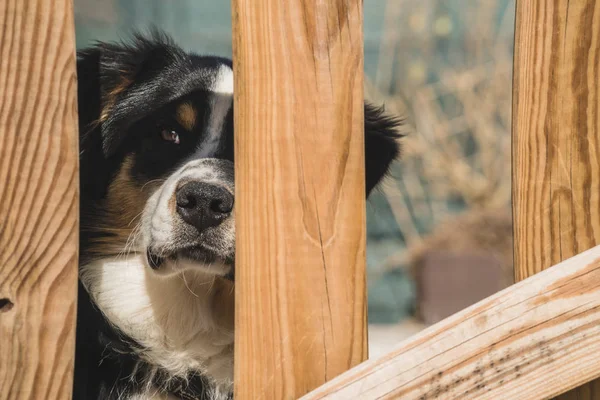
(531, 341)
(38, 199)
(556, 136)
(300, 194)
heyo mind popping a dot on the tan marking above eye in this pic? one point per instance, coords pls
(186, 116)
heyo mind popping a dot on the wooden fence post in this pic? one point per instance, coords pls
(556, 137)
(300, 196)
(38, 199)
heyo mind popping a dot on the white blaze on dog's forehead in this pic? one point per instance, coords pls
(223, 82)
(220, 104)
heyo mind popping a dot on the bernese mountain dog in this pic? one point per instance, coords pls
(157, 251)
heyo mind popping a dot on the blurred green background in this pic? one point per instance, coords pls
(446, 65)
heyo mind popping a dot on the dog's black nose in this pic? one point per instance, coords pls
(203, 205)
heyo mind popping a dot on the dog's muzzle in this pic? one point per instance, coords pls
(189, 222)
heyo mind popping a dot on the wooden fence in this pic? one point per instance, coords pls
(300, 297)
(300, 203)
(39, 201)
(556, 138)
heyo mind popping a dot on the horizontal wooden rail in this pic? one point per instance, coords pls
(533, 340)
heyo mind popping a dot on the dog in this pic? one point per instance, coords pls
(157, 236)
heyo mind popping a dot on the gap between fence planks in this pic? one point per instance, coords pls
(39, 203)
(531, 341)
(556, 137)
(300, 195)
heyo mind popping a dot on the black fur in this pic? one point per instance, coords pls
(125, 90)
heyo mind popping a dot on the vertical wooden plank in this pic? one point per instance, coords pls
(556, 137)
(38, 199)
(300, 207)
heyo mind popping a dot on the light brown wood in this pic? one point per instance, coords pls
(300, 195)
(556, 136)
(38, 199)
(531, 341)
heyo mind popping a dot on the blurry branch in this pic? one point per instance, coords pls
(459, 146)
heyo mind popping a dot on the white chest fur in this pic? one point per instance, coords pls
(184, 322)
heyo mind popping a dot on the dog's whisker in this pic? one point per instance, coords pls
(129, 244)
(212, 284)
(134, 218)
(152, 181)
(187, 286)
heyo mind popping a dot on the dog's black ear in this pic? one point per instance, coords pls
(382, 144)
(122, 68)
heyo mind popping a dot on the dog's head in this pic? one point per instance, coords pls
(157, 173)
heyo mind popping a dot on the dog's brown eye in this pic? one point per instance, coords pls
(169, 135)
